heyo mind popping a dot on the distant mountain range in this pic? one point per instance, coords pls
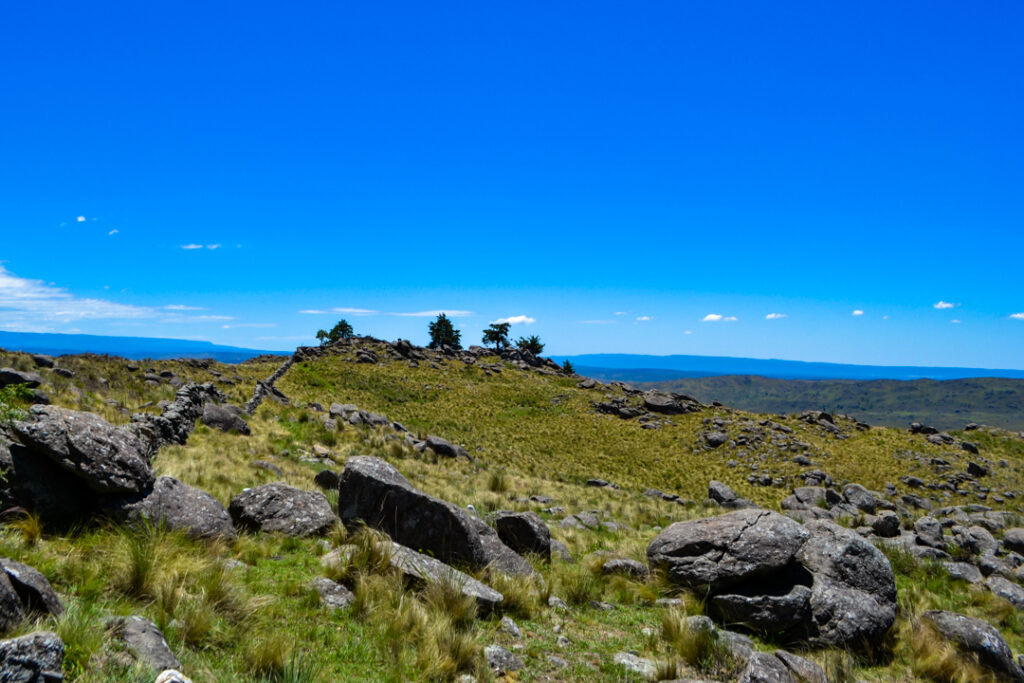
(641, 368)
(127, 347)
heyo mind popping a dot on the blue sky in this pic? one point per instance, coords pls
(614, 173)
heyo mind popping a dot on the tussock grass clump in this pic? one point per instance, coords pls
(27, 524)
(700, 648)
(936, 659)
(498, 481)
(524, 595)
(368, 552)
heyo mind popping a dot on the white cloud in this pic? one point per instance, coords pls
(944, 304)
(885, 317)
(213, 246)
(113, 232)
(182, 307)
(355, 311)
(621, 312)
(32, 303)
(955, 321)
(1017, 316)
(775, 316)
(197, 318)
(313, 311)
(433, 314)
(858, 312)
(515, 320)
(688, 332)
(191, 246)
(644, 318)
(718, 317)
(80, 219)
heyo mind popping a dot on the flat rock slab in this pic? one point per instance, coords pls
(420, 568)
(284, 509)
(105, 458)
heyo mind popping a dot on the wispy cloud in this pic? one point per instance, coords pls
(432, 314)
(621, 312)
(32, 303)
(213, 246)
(190, 247)
(688, 332)
(114, 231)
(775, 316)
(944, 304)
(718, 317)
(955, 321)
(858, 312)
(313, 311)
(182, 307)
(515, 320)
(1017, 316)
(355, 311)
(80, 219)
(644, 319)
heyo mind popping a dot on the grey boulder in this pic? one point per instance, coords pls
(35, 658)
(284, 509)
(178, 506)
(524, 532)
(978, 638)
(375, 493)
(225, 419)
(145, 642)
(10, 376)
(32, 588)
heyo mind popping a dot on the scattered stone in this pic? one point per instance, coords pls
(327, 480)
(976, 470)
(624, 567)
(144, 641)
(34, 592)
(510, 627)
(268, 466)
(35, 658)
(964, 571)
(501, 661)
(172, 676)
(886, 525)
(10, 376)
(418, 568)
(524, 532)
(644, 668)
(178, 506)
(281, 508)
(333, 594)
(225, 419)
(977, 638)
(1006, 589)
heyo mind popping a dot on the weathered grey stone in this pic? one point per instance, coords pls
(769, 610)
(802, 670)
(11, 609)
(35, 658)
(420, 568)
(1013, 539)
(224, 418)
(10, 376)
(372, 491)
(625, 567)
(145, 642)
(963, 571)
(763, 667)
(103, 457)
(644, 668)
(977, 638)
(524, 532)
(178, 506)
(929, 532)
(501, 661)
(283, 509)
(1004, 588)
(33, 590)
(333, 594)
(327, 480)
(728, 549)
(886, 525)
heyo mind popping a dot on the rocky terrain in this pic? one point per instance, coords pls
(374, 510)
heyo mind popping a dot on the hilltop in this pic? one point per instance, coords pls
(493, 463)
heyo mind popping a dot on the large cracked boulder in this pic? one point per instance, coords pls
(35, 658)
(977, 638)
(373, 492)
(33, 590)
(104, 458)
(418, 568)
(818, 582)
(284, 509)
(178, 506)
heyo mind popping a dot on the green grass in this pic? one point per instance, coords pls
(529, 434)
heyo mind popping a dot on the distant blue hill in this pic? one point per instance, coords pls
(642, 368)
(127, 347)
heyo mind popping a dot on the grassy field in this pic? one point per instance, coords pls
(245, 611)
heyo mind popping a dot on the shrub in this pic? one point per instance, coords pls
(443, 333)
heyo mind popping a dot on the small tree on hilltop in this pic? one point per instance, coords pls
(497, 334)
(443, 333)
(340, 331)
(567, 368)
(531, 344)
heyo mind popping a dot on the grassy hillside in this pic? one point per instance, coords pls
(948, 404)
(244, 610)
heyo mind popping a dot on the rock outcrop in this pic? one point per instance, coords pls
(283, 509)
